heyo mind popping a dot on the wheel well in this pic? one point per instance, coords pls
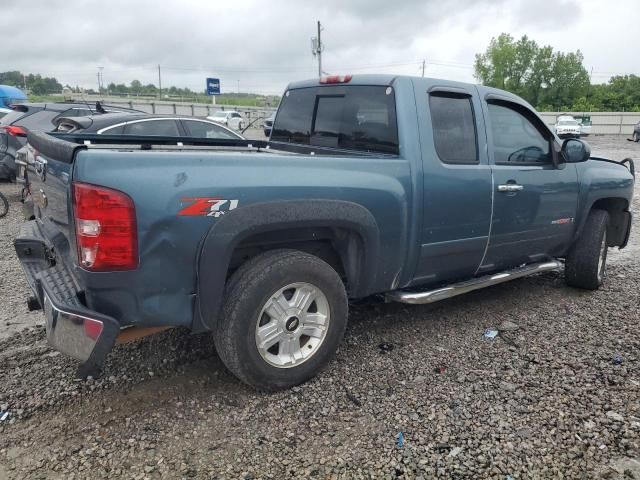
(619, 219)
(341, 248)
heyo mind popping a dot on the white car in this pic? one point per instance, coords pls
(567, 127)
(229, 119)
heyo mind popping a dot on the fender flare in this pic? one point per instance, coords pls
(582, 219)
(228, 232)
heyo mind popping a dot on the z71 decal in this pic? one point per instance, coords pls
(562, 221)
(207, 206)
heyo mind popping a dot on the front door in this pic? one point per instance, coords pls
(535, 202)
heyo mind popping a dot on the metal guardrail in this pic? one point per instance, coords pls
(188, 109)
(602, 123)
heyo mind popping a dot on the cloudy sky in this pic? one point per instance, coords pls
(259, 46)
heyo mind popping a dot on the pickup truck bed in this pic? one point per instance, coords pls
(416, 189)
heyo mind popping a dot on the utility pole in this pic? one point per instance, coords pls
(100, 79)
(424, 64)
(317, 47)
(159, 83)
(319, 50)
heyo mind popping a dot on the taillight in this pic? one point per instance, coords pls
(106, 234)
(336, 79)
(15, 131)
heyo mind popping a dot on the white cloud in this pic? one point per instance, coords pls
(266, 44)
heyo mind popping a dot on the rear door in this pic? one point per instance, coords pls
(535, 202)
(456, 182)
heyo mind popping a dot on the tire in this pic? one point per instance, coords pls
(240, 126)
(636, 137)
(586, 263)
(259, 307)
(4, 205)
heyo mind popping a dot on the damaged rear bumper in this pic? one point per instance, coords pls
(72, 328)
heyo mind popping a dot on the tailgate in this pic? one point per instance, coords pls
(49, 173)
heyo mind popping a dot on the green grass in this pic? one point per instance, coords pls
(240, 101)
(45, 98)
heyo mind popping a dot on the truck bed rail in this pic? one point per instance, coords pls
(63, 146)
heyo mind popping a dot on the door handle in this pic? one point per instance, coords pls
(510, 187)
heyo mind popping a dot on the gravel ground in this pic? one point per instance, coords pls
(555, 395)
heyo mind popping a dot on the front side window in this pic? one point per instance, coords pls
(454, 128)
(516, 139)
(164, 128)
(361, 118)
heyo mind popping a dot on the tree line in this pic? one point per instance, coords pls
(36, 84)
(551, 80)
(137, 88)
(41, 86)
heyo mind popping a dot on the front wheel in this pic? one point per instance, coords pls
(636, 137)
(284, 315)
(240, 126)
(586, 264)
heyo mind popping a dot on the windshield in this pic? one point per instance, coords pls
(569, 122)
(9, 118)
(219, 114)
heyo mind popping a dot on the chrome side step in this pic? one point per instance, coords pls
(455, 289)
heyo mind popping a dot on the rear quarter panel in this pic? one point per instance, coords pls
(162, 290)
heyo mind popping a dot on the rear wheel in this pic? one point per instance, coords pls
(283, 318)
(636, 137)
(4, 205)
(586, 264)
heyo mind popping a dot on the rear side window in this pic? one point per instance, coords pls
(119, 130)
(454, 128)
(166, 128)
(207, 130)
(361, 118)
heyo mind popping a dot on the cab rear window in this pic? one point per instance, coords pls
(360, 118)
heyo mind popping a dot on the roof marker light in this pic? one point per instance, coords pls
(335, 79)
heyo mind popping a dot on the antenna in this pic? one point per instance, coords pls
(85, 101)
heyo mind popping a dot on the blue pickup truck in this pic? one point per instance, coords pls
(414, 189)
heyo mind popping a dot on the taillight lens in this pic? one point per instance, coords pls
(15, 131)
(336, 79)
(106, 233)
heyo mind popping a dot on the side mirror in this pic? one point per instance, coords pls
(575, 150)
